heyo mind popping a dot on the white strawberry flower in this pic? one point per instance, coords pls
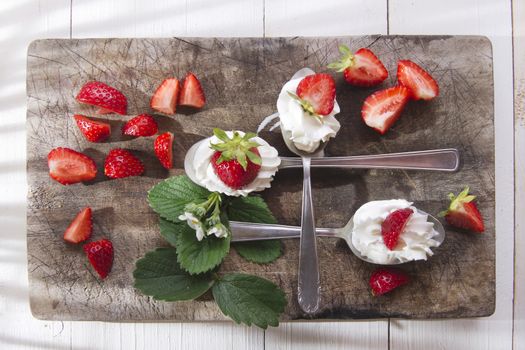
(219, 230)
(195, 223)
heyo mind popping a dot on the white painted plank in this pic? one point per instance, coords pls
(479, 17)
(327, 17)
(324, 18)
(21, 22)
(518, 11)
(146, 18)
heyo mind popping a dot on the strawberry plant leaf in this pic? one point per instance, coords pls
(159, 275)
(254, 209)
(169, 229)
(197, 256)
(169, 197)
(249, 299)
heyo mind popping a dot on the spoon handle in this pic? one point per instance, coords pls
(309, 286)
(436, 159)
(249, 231)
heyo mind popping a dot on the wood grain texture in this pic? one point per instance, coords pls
(62, 285)
(518, 10)
(490, 18)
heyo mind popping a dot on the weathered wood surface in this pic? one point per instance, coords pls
(242, 78)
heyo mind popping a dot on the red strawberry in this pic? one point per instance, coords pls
(141, 125)
(80, 228)
(360, 69)
(316, 94)
(164, 149)
(236, 160)
(383, 280)
(165, 97)
(394, 225)
(420, 83)
(382, 108)
(463, 212)
(191, 93)
(121, 163)
(92, 130)
(100, 255)
(68, 166)
(104, 96)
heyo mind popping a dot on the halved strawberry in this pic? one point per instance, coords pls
(463, 212)
(394, 225)
(236, 160)
(360, 69)
(100, 255)
(420, 83)
(93, 131)
(165, 97)
(68, 166)
(121, 163)
(382, 108)
(383, 280)
(104, 96)
(141, 125)
(80, 228)
(316, 94)
(191, 93)
(164, 149)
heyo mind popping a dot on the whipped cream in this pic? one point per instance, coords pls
(414, 242)
(204, 174)
(306, 131)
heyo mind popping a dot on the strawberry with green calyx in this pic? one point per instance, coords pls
(236, 160)
(316, 94)
(463, 212)
(362, 68)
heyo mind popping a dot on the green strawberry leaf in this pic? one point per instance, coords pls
(169, 197)
(197, 256)
(249, 299)
(157, 274)
(254, 209)
(169, 229)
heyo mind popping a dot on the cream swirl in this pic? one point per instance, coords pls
(306, 131)
(414, 242)
(204, 174)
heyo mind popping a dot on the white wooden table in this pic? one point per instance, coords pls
(24, 20)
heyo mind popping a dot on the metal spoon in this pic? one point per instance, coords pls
(246, 231)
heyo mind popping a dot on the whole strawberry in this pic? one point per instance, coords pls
(100, 255)
(121, 163)
(383, 280)
(316, 94)
(362, 68)
(141, 125)
(107, 98)
(236, 160)
(463, 212)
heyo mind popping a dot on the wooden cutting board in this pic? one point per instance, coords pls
(242, 79)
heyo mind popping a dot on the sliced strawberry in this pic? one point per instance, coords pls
(382, 108)
(80, 228)
(394, 225)
(463, 212)
(68, 166)
(236, 160)
(165, 97)
(191, 93)
(316, 93)
(141, 125)
(383, 280)
(420, 83)
(121, 163)
(93, 131)
(100, 255)
(104, 96)
(360, 69)
(164, 149)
